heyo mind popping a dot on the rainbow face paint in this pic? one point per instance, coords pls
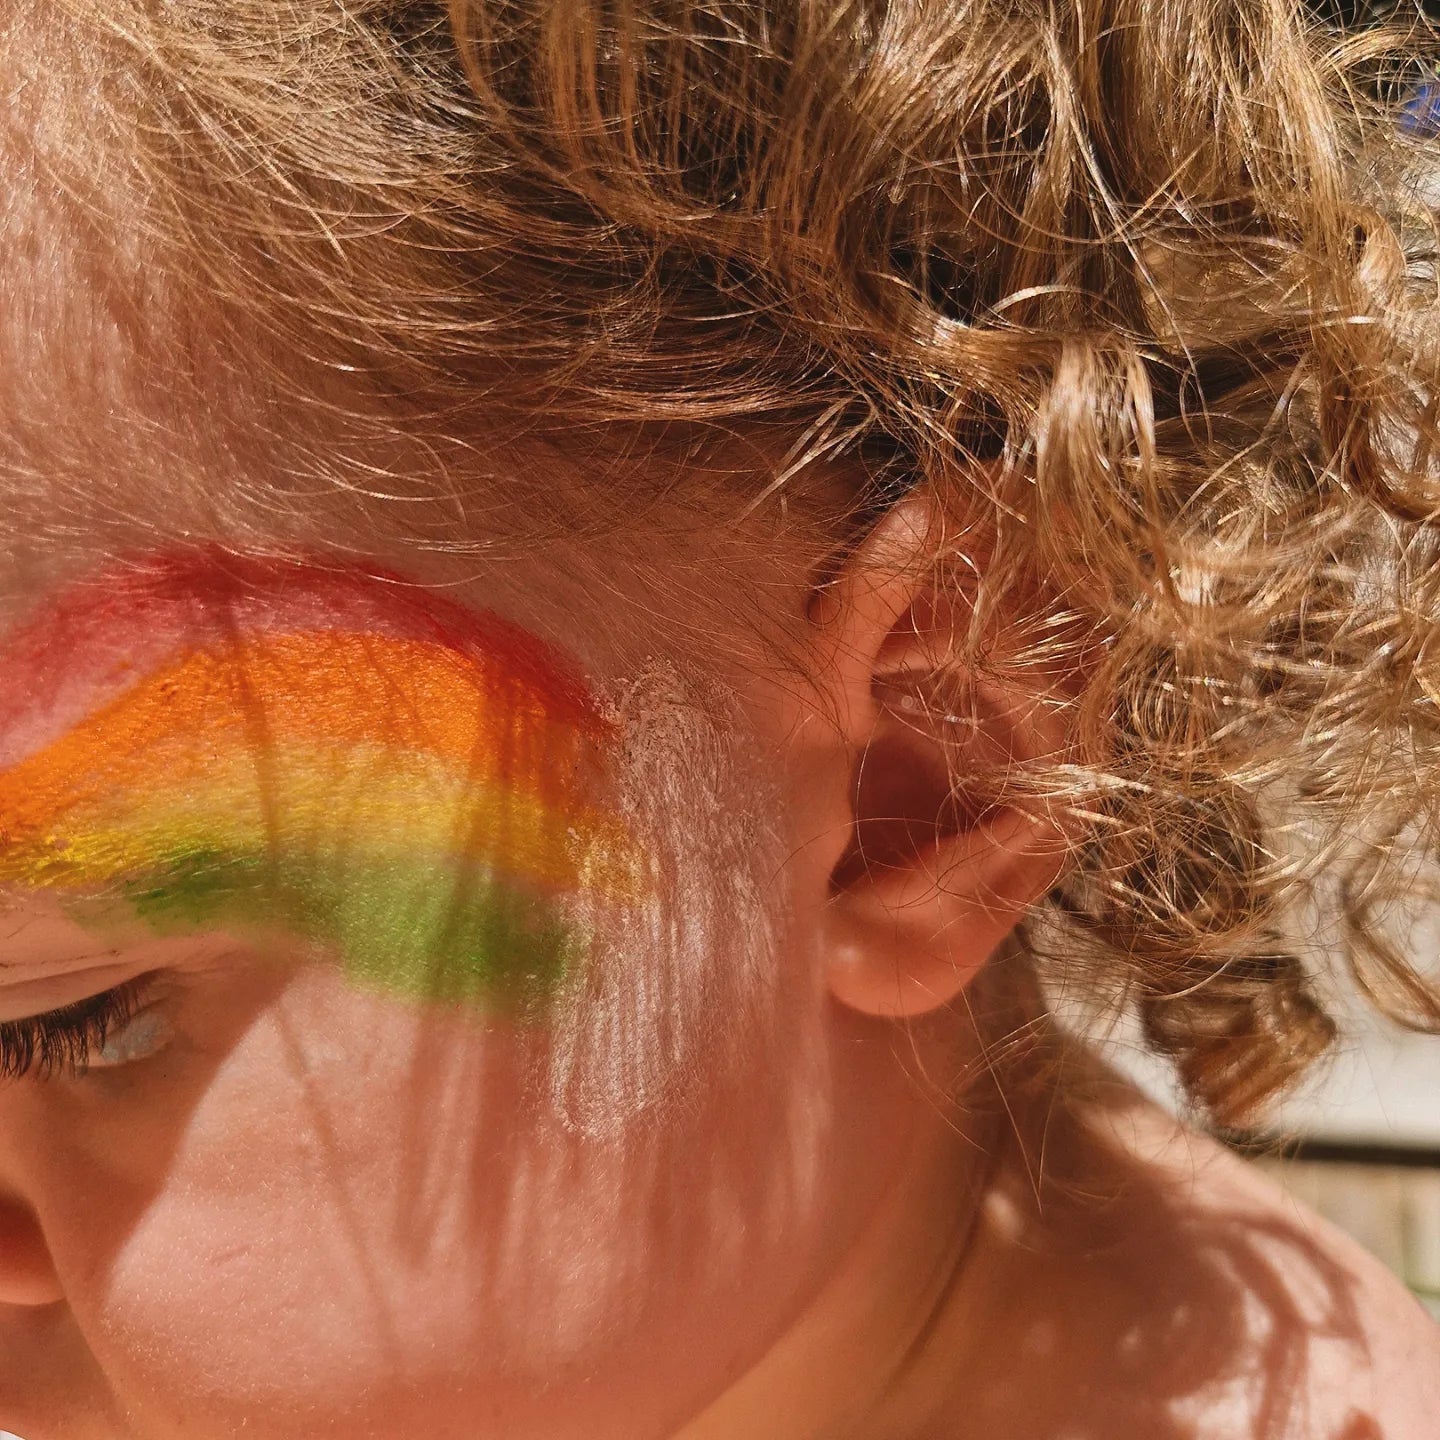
(413, 787)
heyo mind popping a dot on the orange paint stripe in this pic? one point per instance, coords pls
(337, 690)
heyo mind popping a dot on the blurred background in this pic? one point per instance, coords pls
(1359, 1142)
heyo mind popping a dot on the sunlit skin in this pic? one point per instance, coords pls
(788, 1150)
(316, 1209)
(470, 1244)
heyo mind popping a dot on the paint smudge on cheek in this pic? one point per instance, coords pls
(412, 787)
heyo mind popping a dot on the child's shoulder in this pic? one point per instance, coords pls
(1275, 1322)
(1159, 1287)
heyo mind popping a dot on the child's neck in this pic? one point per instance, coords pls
(846, 1367)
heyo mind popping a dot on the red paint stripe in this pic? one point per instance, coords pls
(104, 629)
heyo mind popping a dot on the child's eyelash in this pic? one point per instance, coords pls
(62, 1041)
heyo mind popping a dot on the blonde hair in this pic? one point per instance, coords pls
(1142, 291)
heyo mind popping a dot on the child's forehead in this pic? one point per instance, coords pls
(135, 410)
(132, 416)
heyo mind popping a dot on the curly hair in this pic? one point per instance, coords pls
(1142, 292)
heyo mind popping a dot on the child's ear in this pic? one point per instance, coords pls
(923, 876)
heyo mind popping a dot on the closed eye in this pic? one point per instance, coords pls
(73, 1038)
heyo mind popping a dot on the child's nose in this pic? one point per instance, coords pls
(27, 1272)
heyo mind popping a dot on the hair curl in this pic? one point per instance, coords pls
(1143, 291)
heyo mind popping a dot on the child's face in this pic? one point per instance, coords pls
(471, 1074)
(360, 1172)
(430, 855)
(478, 1080)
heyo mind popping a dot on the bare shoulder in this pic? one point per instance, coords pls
(1131, 1279)
(1308, 1335)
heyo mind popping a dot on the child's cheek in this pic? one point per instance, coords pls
(360, 1198)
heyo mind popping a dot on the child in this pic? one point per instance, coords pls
(599, 601)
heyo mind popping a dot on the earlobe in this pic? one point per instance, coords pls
(903, 943)
(933, 876)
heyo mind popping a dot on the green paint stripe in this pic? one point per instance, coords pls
(408, 927)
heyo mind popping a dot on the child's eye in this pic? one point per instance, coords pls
(104, 1031)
